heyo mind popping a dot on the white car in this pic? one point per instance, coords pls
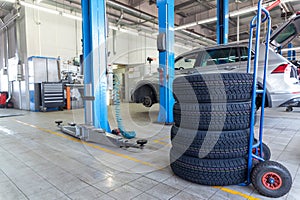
(283, 88)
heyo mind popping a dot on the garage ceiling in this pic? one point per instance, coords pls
(141, 15)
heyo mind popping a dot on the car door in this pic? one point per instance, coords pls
(286, 32)
(185, 64)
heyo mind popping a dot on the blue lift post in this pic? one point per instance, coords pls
(166, 60)
(222, 21)
(291, 53)
(95, 62)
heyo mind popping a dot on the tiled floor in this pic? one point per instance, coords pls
(38, 162)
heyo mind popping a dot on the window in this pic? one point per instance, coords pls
(288, 32)
(186, 62)
(244, 54)
(219, 56)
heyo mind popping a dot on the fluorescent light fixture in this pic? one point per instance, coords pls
(40, 8)
(131, 32)
(205, 21)
(123, 30)
(10, 1)
(242, 11)
(51, 11)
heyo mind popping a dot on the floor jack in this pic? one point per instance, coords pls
(91, 134)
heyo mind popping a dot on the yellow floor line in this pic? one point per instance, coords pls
(126, 156)
(91, 145)
(161, 142)
(167, 137)
(236, 193)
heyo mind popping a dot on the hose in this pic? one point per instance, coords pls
(117, 102)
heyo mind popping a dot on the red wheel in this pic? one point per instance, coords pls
(271, 179)
(266, 151)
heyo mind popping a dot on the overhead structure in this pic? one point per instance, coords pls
(166, 59)
(222, 21)
(95, 62)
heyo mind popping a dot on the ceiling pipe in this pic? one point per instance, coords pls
(133, 11)
(233, 14)
(148, 17)
(273, 5)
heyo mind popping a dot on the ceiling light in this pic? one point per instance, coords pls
(123, 30)
(10, 1)
(40, 8)
(51, 11)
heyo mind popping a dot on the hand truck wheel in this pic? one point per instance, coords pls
(266, 155)
(271, 179)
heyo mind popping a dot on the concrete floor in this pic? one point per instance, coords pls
(38, 162)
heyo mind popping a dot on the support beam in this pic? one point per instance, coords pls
(166, 60)
(222, 21)
(95, 62)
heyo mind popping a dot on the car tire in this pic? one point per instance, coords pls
(213, 172)
(148, 101)
(213, 117)
(210, 145)
(271, 179)
(207, 88)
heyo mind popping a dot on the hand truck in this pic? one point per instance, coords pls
(269, 178)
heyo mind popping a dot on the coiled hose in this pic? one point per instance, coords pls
(117, 102)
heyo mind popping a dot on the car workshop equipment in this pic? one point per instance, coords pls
(269, 178)
(52, 95)
(96, 128)
(117, 102)
(206, 152)
(118, 137)
(3, 97)
(99, 136)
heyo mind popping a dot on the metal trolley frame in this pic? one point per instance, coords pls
(269, 178)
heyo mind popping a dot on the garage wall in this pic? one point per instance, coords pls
(131, 49)
(51, 35)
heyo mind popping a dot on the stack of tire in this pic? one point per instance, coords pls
(210, 135)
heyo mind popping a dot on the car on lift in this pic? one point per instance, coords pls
(283, 88)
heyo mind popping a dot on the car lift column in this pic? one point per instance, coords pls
(291, 53)
(95, 60)
(166, 60)
(222, 21)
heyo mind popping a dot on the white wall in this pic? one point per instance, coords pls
(51, 35)
(133, 49)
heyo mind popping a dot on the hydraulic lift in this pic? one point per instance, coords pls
(96, 128)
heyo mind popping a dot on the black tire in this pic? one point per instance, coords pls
(209, 171)
(271, 179)
(213, 117)
(206, 88)
(266, 155)
(148, 101)
(289, 109)
(210, 145)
